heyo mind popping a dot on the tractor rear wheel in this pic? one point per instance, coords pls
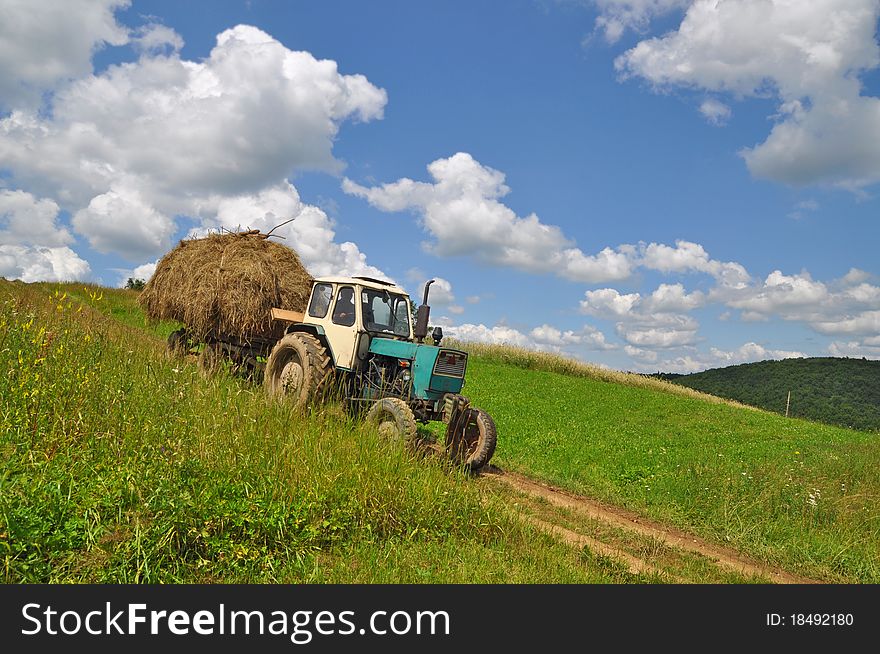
(299, 369)
(474, 443)
(394, 419)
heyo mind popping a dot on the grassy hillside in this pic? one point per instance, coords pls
(122, 466)
(796, 493)
(838, 391)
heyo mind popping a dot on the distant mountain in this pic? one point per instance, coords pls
(839, 391)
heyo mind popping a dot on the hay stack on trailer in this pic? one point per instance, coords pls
(225, 285)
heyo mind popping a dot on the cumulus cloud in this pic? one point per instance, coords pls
(692, 257)
(749, 352)
(588, 337)
(157, 39)
(25, 219)
(867, 348)
(648, 360)
(715, 112)
(659, 337)
(311, 232)
(44, 43)
(144, 271)
(497, 335)
(130, 149)
(616, 16)
(807, 55)
(849, 305)
(121, 221)
(462, 211)
(35, 263)
(440, 292)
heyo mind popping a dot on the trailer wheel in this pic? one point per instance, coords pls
(298, 368)
(210, 359)
(178, 344)
(394, 419)
(474, 443)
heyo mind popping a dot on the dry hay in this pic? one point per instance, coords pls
(224, 285)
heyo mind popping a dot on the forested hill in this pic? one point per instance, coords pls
(839, 391)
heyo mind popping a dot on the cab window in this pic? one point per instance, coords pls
(343, 311)
(320, 300)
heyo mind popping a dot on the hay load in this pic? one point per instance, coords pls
(224, 285)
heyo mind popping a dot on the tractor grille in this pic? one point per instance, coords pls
(450, 363)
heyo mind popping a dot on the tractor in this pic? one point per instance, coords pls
(357, 338)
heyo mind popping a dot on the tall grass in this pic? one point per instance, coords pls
(119, 465)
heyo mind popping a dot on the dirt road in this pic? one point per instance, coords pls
(642, 546)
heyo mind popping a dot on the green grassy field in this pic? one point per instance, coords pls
(119, 465)
(795, 493)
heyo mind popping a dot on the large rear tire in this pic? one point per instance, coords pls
(298, 369)
(474, 444)
(394, 420)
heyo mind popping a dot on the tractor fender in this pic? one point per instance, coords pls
(315, 330)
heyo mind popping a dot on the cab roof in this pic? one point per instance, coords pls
(367, 282)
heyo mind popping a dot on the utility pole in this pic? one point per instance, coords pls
(787, 403)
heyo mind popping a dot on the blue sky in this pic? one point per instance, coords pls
(644, 184)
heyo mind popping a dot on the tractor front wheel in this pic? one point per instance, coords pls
(473, 444)
(298, 368)
(394, 419)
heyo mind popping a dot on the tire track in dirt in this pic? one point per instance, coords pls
(621, 518)
(634, 564)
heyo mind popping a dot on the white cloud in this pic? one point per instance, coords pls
(866, 323)
(609, 302)
(462, 212)
(806, 205)
(440, 292)
(715, 112)
(121, 221)
(44, 43)
(845, 306)
(647, 360)
(806, 54)
(497, 335)
(157, 39)
(641, 355)
(37, 264)
(749, 352)
(616, 16)
(545, 337)
(692, 257)
(657, 337)
(311, 233)
(673, 297)
(26, 220)
(553, 336)
(128, 149)
(867, 348)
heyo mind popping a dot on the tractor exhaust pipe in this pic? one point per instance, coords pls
(422, 314)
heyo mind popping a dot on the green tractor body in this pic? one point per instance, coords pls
(435, 371)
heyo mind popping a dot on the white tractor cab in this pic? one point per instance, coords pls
(351, 310)
(357, 337)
